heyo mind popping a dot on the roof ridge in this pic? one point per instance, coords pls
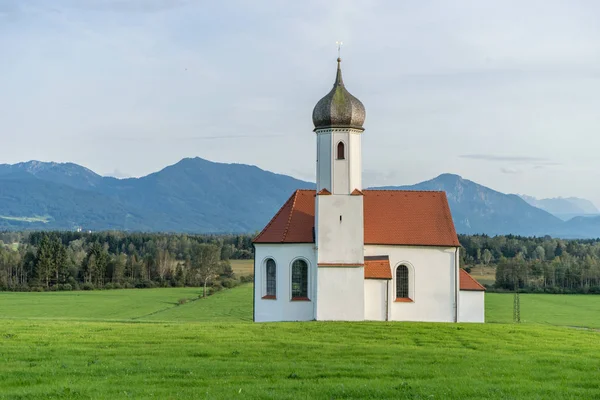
(275, 217)
(404, 190)
(289, 221)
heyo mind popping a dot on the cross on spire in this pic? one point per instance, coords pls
(339, 47)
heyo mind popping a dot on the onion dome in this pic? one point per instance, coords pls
(339, 109)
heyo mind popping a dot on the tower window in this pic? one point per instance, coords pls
(341, 151)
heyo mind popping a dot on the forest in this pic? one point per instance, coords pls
(536, 264)
(39, 261)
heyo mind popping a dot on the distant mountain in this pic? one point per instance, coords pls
(197, 195)
(194, 195)
(564, 208)
(478, 209)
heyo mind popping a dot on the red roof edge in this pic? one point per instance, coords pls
(323, 192)
(291, 199)
(467, 282)
(448, 213)
(357, 192)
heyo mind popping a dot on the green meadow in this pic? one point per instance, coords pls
(145, 344)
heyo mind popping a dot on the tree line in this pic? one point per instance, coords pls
(536, 264)
(75, 260)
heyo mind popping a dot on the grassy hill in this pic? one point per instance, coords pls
(50, 349)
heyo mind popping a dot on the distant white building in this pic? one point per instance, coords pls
(343, 253)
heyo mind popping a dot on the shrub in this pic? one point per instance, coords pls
(109, 286)
(182, 301)
(145, 284)
(247, 278)
(66, 287)
(88, 286)
(229, 283)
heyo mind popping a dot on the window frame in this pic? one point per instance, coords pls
(265, 279)
(337, 150)
(410, 290)
(308, 280)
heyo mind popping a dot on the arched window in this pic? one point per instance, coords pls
(299, 280)
(271, 278)
(341, 151)
(402, 282)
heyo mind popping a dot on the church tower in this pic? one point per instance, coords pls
(339, 222)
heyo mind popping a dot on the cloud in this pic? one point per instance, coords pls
(492, 157)
(510, 171)
(118, 174)
(126, 6)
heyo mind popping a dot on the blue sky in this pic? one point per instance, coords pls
(505, 93)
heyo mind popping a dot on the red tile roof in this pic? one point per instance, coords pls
(394, 217)
(467, 282)
(377, 267)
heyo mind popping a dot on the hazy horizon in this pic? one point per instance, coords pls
(503, 93)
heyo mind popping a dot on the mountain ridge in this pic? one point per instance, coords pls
(197, 195)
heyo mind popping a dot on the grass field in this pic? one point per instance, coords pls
(76, 345)
(242, 267)
(484, 275)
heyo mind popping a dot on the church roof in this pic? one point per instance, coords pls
(467, 282)
(391, 217)
(377, 267)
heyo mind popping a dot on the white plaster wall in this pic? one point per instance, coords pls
(375, 299)
(283, 308)
(355, 156)
(339, 176)
(340, 294)
(340, 241)
(432, 278)
(324, 161)
(341, 168)
(472, 306)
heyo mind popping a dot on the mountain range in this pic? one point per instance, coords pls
(564, 208)
(196, 195)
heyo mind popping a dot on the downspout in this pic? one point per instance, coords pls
(456, 284)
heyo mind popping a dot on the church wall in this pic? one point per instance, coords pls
(340, 229)
(340, 294)
(432, 280)
(324, 152)
(355, 155)
(341, 168)
(375, 299)
(283, 308)
(472, 306)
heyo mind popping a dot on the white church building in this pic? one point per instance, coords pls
(343, 253)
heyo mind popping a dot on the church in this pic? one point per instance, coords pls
(342, 253)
